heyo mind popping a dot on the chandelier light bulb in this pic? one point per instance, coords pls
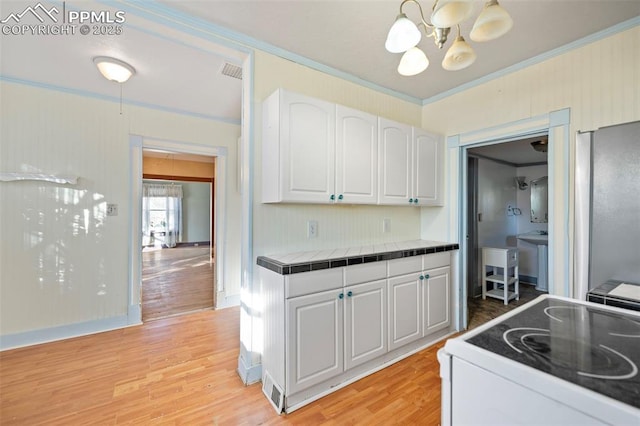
(459, 56)
(448, 13)
(413, 62)
(403, 35)
(492, 23)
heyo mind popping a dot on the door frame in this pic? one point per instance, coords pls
(556, 124)
(137, 144)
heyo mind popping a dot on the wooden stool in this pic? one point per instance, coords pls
(504, 264)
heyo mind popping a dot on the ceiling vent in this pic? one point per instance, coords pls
(231, 70)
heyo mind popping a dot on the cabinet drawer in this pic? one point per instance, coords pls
(312, 282)
(431, 261)
(403, 266)
(500, 256)
(367, 272)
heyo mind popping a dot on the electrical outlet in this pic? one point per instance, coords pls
(312, 229)
(386, 225)
(112, 210)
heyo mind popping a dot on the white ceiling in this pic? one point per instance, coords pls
(517, 153)
(349, 35)
(179, 71)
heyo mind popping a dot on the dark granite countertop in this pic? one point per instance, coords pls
(293, 263)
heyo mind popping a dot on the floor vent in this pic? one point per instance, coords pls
(231, 70)
(273, 393)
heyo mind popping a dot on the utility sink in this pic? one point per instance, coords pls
(535, 238)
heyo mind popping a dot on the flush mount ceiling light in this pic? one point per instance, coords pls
(404, 35)
(541, 145)
(114, 69)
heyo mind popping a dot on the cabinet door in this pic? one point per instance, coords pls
(307, 138)
(315, 337)
(394, 159)
(404, 310)
(356, 156)
(436, 300)
(427, 168)
(365, 322)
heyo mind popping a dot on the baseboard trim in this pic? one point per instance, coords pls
(249, 375)
(134, 314)
(52, 334)
(184, 244)
(227, 301)
(528, 279)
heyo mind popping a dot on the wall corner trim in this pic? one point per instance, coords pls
(134, 315)
(453, 141)
(561, 117)
(249, 375)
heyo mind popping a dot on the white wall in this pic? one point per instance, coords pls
(598, 82)
(196, 206)
(496, 191)
(62, 260)
(281, 228)
(528, 253)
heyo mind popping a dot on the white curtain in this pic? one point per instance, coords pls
(162, 214)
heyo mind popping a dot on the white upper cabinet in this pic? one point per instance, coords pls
(298, 149)
(428, 159)
(410, 165)
(356, 156)
(395, 162)
(319, 152)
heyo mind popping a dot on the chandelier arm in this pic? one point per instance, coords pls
(422, 20)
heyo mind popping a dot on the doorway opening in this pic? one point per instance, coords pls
(178, 223)
(503, 179)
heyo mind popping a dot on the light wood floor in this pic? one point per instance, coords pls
(181, 370)
(176, 281)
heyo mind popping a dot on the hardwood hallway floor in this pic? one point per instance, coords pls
(176, 280)
(182, 370)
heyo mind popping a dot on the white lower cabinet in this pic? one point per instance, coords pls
(334, 330)
(365, 322)
(404, 310)
(315, 335)
(436, 289)
(346, 322)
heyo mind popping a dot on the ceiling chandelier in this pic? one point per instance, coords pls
(405, 35)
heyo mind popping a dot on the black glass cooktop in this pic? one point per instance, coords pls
(585, 345)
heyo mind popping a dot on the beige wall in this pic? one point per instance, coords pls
(281, 228)
(598, 82)
(62, 260)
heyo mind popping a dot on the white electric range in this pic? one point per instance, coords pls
(551, 361)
